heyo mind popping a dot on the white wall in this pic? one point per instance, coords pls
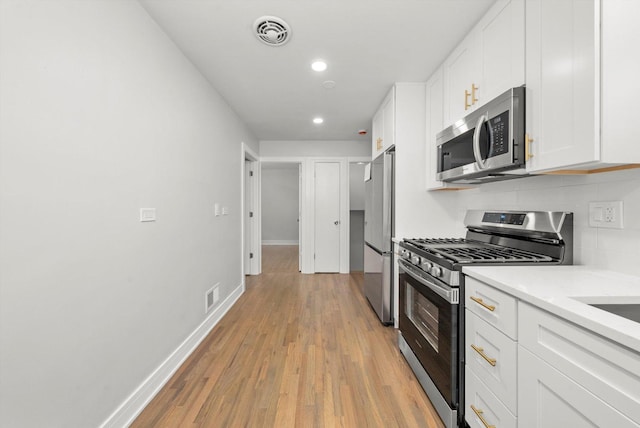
(355, 148)
(280, 204)
(100, 115)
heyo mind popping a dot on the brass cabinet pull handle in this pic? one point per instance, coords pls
(474, 88)
(478, 413)
(527, 147)
(480, 351)
(466, 100)
(481, 302)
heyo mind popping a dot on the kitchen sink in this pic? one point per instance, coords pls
(630, 311)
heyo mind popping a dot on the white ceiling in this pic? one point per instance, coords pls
(368, 45)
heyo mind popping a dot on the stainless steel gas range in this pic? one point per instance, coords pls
(431, 315)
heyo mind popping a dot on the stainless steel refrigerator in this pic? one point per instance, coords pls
(378, 231)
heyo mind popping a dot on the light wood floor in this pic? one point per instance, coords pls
(295, 351)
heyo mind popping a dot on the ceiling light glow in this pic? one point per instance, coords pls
(319, 65)
(318, 120)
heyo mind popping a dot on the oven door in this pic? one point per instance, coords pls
(428, 321)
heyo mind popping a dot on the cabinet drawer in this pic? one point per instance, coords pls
(493, 358)
(610, 371)
(486, 405)
(492, 305)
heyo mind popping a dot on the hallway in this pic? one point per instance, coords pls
(296, 350)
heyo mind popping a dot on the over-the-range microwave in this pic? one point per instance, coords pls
(486, 145)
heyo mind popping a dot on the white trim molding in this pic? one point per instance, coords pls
(129, 410)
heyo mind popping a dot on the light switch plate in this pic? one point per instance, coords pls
(225, 210)
(147, 214)
(217, 209)
(606, 214)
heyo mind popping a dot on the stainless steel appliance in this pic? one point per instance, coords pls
(486, 145)
(378, 230)
(431, 317)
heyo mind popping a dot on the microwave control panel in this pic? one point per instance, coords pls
(498, 134)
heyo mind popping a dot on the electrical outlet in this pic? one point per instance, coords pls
(606, 214)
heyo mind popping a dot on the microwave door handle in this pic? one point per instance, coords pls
(476, 141)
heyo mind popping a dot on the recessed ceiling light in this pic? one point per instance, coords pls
(319, 65)
(318, 120)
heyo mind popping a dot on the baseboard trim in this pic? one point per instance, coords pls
(279, 242)
(126, 413)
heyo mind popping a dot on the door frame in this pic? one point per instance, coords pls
(251, 266)
(302, 214)
(307, 217)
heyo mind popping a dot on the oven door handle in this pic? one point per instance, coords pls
(451, 295)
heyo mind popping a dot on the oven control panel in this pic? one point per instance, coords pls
(447, 276)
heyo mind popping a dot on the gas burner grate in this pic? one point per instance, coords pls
(490, 254)
(436, 241)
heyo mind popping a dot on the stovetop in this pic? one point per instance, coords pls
(460, 250)
(494, 238)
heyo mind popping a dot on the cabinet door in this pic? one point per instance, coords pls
(549, 399)
(501, 34)
(562, 83)
(434, 95)
(607, 369)
(489, 61)
(376, 134)
(389, 114)
(460, 73)
(383, 126)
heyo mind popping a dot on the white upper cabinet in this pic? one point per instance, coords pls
(582, 83)
(489, 61)
(461, 80)
(434, 124)
(383, 126)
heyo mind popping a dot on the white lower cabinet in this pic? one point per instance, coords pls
(607, 372)
(549, 399)
(490, 356)
(526, 366)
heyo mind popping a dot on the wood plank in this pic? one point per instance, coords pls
(295, 350)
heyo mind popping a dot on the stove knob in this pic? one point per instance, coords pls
(436, 271)
(405, 254)
(415, 260)
(426, 265)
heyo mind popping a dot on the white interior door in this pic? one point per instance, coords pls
(327, 216)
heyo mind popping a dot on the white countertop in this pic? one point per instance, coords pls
(565, 292)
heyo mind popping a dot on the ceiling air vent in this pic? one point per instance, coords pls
(272, 30)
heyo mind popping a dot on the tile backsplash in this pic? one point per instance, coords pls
(612, 249)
